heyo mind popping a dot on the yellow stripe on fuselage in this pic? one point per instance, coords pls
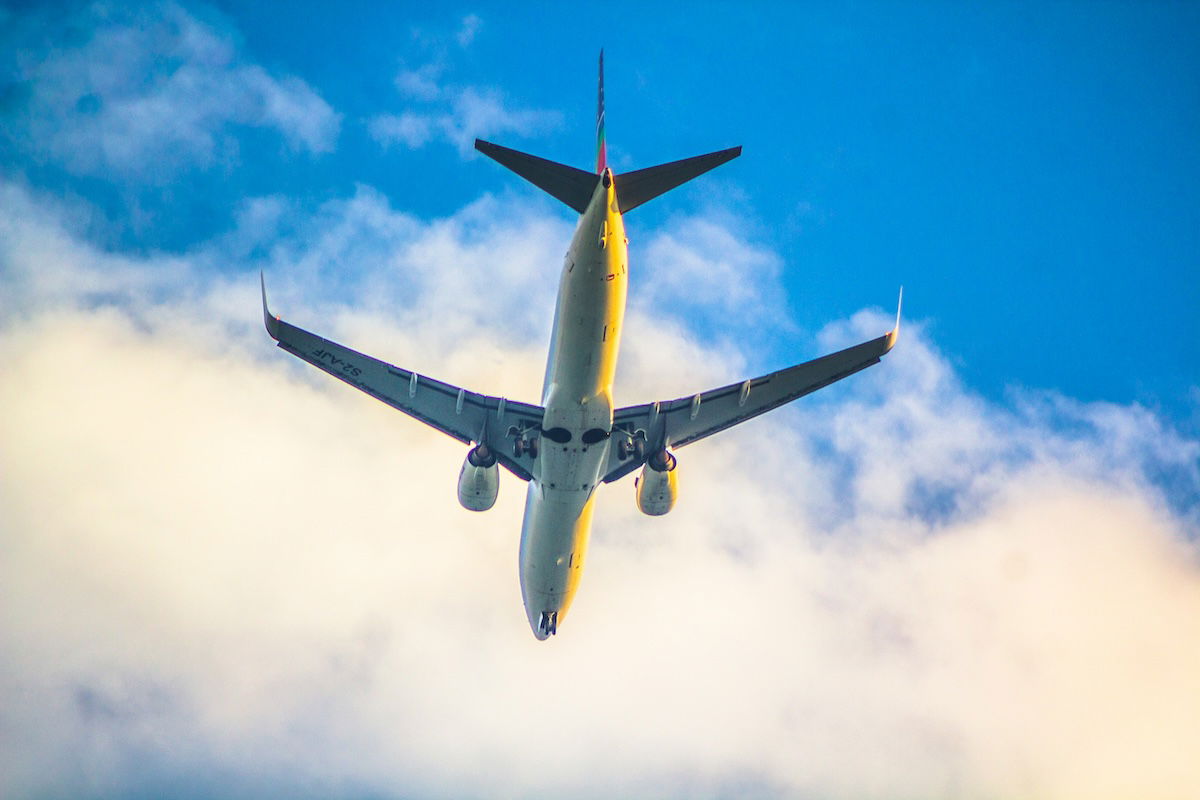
(588, 318)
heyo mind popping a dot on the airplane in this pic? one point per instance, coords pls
(576, 439)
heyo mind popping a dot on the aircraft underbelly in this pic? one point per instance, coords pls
(588, 316)
(554, 540)
(578, 402)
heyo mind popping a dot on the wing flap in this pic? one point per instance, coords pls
(725, 407)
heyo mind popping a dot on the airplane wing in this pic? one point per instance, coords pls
(467, 416)
(678, 422)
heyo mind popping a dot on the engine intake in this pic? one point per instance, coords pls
(479, 479)
(656, 487)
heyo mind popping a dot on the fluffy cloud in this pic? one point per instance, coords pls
(698, 268)
(458, 115)
(468, 30)
(227, 574)
(144, 93)
(441, 110)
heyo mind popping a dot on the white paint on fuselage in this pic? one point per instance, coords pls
(577, 395)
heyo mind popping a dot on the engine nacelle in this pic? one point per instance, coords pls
(656, 486)
(479, 480)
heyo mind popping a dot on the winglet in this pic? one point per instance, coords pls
(271, 322)
(894, 333)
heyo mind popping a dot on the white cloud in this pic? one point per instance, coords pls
(483, 112)
(421, 83)
(440, 110)
(408, 129)
(696, 267)
(461, 115)
(149, 92)
(458, 114)
(223, 568)
(297, 111)
(471, 24)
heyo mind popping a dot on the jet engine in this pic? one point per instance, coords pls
(479, 479)
(656, 487)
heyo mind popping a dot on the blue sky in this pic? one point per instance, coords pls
(969, 571)
(1028, 172)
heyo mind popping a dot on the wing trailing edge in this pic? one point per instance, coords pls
(683, 420)
(457, 412)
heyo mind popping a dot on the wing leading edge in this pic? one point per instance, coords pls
(467, 416)
(679, 422)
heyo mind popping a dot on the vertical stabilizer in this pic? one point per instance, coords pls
(601, 152)
(576, 186)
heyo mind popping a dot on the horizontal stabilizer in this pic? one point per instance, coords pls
(570, 185)
(640, 186)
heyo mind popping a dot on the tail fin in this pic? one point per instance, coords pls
(575, 186)
(601, 150)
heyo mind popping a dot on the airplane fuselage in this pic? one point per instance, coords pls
(577, 397)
